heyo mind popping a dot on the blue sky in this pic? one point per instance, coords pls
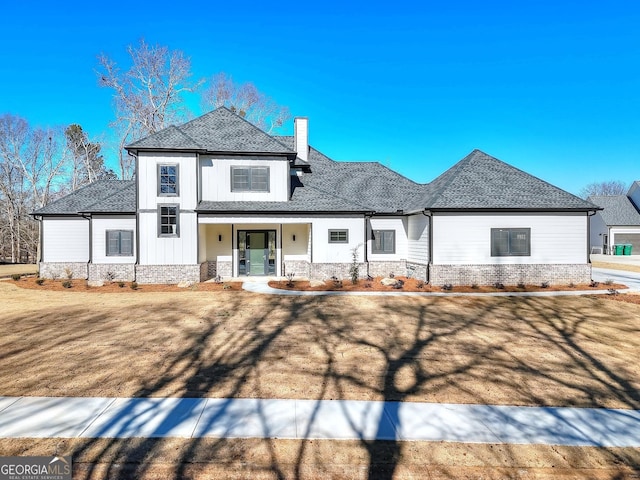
(551, 87)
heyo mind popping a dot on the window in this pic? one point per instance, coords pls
(510, 242)
(167, 180)
(384, 241)
(119, 243)
(168, 224)
(338, 236)
(249, 179)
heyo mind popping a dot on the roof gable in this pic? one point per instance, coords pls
(480, 181)
(219, 131)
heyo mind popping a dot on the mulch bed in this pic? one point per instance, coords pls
(414, 285)
(118, 287)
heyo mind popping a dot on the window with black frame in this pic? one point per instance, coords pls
(510, 242)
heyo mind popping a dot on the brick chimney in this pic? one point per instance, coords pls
(301, 137)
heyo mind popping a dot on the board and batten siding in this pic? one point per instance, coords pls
(99, 227)
(399, 225)
(65, 239)
(418, 239)
(556, 238)
(215, 178)
(148, 197)
(182, 250)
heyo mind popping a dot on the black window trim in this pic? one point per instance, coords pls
(339, 230)
(250, 169)
(511, 230)
(382, 252)
(177, 232)
(119, 232)
(177, 185)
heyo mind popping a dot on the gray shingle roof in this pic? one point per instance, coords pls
(618, 209)
(480, 181)
(218, 131)
(103, 196)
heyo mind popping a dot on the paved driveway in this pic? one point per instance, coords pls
(631, 279)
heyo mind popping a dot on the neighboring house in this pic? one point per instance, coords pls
(218, 196)
(618, 222)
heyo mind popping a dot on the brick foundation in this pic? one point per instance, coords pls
(62, 269)
(300, 268)
(384, 269)
(167, 274)
(115, 272)
(509, 274)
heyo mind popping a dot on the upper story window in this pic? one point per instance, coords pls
(384, 241)
(249, 179)
(168, 221)
(167, 180)
(510, 242)
(338, 236)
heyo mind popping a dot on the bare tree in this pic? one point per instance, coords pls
(31, 163)
(87, 162)
(149, 96)
(609, 187)
(246, 100)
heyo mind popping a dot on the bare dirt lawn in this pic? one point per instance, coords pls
(516, 351)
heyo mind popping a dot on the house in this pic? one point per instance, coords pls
(218, 196)
(617, 223)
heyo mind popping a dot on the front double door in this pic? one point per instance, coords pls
(256, 252)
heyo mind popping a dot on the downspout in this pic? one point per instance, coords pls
(367, 217)
(137, 262)
(589, 214)
(429, 215)
(88, 218)
(281, 262)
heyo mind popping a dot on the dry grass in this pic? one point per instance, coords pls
(8, 269)
(617, 266)
(517, 351)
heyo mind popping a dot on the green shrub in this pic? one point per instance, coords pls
(67, 284)
(16, 276)
(40, 281)
(134, 285)
(121, 284)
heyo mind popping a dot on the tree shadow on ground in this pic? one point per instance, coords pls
(394, 350)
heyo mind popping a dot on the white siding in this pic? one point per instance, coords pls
(460, 239)
(399, 225)
(65, 239)
(100, 225)
(300, 248)
(180, 250)
(325, 252)
(216, 180)
(597, 230)
(418, 239)
(215, 242)
(148, 185)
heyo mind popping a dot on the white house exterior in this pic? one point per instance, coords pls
(217, 196)
(617, 223)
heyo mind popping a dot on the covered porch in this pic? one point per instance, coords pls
(240, 247)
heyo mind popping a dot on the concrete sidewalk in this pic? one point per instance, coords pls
(49, 417)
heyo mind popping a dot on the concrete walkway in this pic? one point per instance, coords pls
(49, 417)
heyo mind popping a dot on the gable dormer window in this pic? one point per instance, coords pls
(167, 180)
(249, 179)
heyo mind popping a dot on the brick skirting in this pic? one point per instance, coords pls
(509, 274)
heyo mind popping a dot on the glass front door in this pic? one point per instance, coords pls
(256, 252)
